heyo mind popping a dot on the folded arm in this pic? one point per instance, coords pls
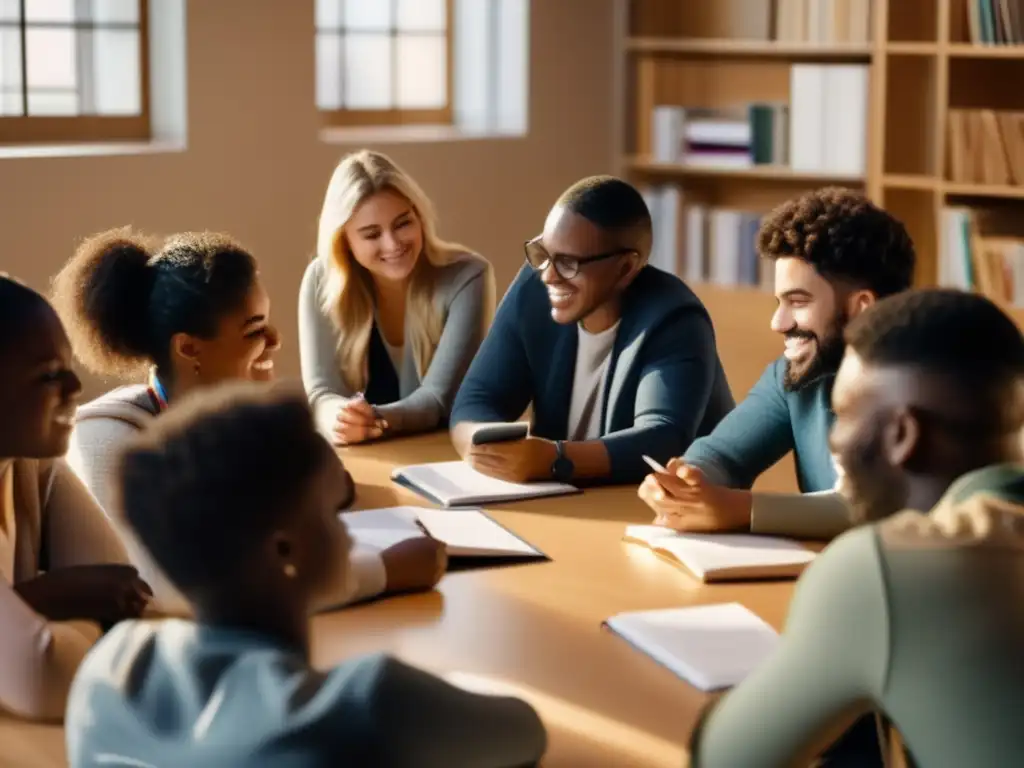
(822, 515)
(318, 353)
(431, 403)
(672, 395)
(835, 644)
(497, 387)
(38, 659)
(749, 440)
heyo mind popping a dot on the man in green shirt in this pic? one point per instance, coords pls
(835, 253)
(917, 616)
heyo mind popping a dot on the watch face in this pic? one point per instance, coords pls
(562, 468)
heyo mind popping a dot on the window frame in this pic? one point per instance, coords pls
(81, 129)
(349, 117)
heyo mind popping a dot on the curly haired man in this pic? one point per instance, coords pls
(835, 255)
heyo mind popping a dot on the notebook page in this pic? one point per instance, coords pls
(471, 532)
(709, 646)
(382, 528)
(710, 552)
(452, 482)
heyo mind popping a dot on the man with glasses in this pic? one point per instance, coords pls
(616, 358)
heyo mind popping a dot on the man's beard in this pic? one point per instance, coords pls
(873, 488)
(828, 354)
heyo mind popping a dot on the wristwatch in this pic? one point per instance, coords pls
(562, 467)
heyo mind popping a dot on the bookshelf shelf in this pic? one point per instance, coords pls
(970, 51)
(900, 48)
(726, 47)
(755, 172)
(984, 190)
(910, 181)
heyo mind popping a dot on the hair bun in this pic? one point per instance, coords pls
(103, 295)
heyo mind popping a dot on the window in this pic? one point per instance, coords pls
(384, 62)
(73, 70)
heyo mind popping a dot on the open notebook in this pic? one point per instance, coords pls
(710, 646)
(466, 532)
(724, 556)
(456, 484)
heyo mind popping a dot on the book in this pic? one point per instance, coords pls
(457, 484)
(724, 556)
(710, 646)
(465, 532)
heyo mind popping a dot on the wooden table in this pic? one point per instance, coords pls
(535, 629)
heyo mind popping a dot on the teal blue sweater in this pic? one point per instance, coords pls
(767, 425)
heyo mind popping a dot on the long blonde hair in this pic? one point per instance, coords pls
(347, 296)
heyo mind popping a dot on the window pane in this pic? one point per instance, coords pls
(51, 58)
(10, 10)
(328, 14)
(328, 70)
(10, 72)
(115, 11)
(422, 71)
(368, 70)
(368, 14)
(50, 10)
(422, 15)
(56, 103)
(115, 59)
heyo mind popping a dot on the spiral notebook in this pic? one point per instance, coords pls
(724, 556)
(457, 484)
(709, 646)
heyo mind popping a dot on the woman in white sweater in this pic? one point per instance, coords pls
(187, 312)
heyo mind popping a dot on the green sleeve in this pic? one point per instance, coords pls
(822, 515)
(828, 669)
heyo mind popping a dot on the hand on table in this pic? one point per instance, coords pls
(357, 422)
(518, 461)
(415, 564)
(683, 499)
(106, 593)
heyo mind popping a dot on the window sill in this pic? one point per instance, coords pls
(409, 134)
(92, 149)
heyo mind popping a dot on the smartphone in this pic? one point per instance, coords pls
(501, 433)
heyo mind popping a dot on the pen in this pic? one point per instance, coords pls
(654, 465)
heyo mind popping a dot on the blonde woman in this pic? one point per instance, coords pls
(390, 315)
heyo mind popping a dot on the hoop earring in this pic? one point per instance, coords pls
(290, 570)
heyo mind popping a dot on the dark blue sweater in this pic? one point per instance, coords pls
(665, 384)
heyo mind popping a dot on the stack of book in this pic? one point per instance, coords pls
(823, 21)
(995, 22)
(983, 250)
(705, 245)
(986, 146)
(823, 128)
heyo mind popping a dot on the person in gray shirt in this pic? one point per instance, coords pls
(390, 315)
(235, 495)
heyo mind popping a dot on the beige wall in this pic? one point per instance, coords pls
(255, 167)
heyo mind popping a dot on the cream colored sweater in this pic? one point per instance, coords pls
(102, 428)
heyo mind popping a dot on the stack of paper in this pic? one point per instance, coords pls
(725, 556)
(456, 484)
(710, 646)
(465, 532)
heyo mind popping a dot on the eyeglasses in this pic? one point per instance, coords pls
(567, 267)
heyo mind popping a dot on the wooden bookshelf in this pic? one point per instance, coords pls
(921, 64)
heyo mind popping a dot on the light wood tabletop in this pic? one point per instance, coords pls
(533, 629)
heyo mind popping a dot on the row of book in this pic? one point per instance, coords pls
(995, 22)
(702, 244)
(823, 21)
(986, 146)
(983, 250)
(823, 128)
